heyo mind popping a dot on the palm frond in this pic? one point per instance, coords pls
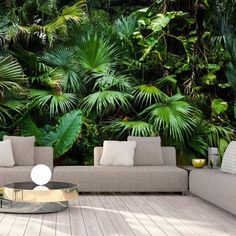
(131, 127)
(111, 80)
(125, 26)
(173, 118)
(62, 58)
(97, 54)
(11, 73)
(147, 94)
(104, 102)
(56, 103)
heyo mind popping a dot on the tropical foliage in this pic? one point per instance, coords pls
(74, 73)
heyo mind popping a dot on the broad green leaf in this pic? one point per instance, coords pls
(29, 128)
(209, 79)
(219, 106)
(66, 133)
(159, 22)
(213, 67)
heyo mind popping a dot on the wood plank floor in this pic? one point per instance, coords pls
(125, 214)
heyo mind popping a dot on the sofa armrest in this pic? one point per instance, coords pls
(97, 155)
(44, 155)
(169, 156)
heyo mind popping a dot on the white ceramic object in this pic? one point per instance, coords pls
(41, 174)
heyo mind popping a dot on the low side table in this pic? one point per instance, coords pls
(27, 197)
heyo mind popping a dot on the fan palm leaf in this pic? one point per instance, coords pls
(111, 80)
(62, 58)
(125, 26)
(57, 103)
(131, 127)
(104, 102)
(173, 118)
(147, 94)
(96, 53)
(11, 73)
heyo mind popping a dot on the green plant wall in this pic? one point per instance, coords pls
(80, 72)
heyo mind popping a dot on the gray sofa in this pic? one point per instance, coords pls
(42, 155)
(165, 178)
(214, 186)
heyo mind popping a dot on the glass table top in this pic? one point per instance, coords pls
(31, 185)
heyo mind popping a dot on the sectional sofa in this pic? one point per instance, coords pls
(21, 173)
(147, 178)
(210, 184)
(214, 186)
(164, 178)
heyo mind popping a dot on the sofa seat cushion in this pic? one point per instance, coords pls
(148, 151)
(15, 174)
(23, 149)
(214, 186)
(124, 179)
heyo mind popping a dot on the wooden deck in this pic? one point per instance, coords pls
(156, 214)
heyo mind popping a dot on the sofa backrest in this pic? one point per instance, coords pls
(44, 155)
(169, 155)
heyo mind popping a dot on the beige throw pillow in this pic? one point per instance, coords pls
(6, 154)
(148, 151)
(23, 149)
(118, 153)
(229, 159)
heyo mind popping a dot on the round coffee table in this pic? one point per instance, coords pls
(27, 197)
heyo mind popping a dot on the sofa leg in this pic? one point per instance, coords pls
(183, 193)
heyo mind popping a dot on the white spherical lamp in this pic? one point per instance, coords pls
(41, 174)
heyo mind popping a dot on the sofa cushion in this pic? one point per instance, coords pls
(118, 153)
(6, 154)
(23, 149)
(148, 151)
(15, 174)
(124, 178)
(229, 159)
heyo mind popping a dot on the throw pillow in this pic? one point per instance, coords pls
(6, 154)
(118, 153)
(229, 159)
(148, 151)
(23, 149)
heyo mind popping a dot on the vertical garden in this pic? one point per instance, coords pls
(73, 73)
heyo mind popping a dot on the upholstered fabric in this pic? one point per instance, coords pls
(23, 149)
(169, 155)
(124, 179)
(6, 154)
(44, 155)
(214, 186)
(148, 151)
(118, 153)
(229, 159)
(15, 174)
